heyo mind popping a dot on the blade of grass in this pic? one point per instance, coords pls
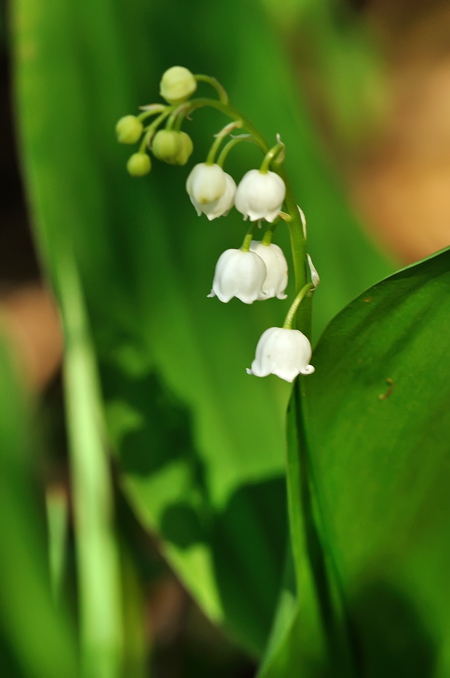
(57, 515)
(91, 480)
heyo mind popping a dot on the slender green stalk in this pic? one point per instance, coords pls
(151, 129)
(248, 236)
(231, 144)
(295, 304)
(57, 521)
(270, 156)
(216, 84)
(218, 140)
(153, 110)
(268, 235)
(98, 570)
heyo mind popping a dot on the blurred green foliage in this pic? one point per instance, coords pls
(36, 638)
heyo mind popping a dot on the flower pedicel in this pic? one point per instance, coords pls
(258, 270)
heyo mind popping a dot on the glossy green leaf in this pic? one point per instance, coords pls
(201, 445)
(377, 456)
(38, 633)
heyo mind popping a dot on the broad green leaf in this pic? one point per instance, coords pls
(201, 445)
(311, 631)
(377, 455)
(38, 634)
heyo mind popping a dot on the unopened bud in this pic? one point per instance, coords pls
(166, 145)
(139, 165)
(177, 85)
(129, 129)
(186, 149)
(172, 147)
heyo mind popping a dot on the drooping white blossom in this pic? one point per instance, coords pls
(238, 274)
(276, 279)
(260, 195)
(283, 352)
(221, 206)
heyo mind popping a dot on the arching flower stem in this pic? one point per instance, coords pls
(287, 325)
(270, 156)
(268, 235)
(231, 144)
(216, 84)
(151, 129)
(218, 140)
(153, 109)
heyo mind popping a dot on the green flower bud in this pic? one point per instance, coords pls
(167, 145)
(186, 148)
(177, 85)
(139, 165)
(129, 129)
(172, 147)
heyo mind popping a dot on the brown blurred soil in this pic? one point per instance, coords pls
(400, 186)
(31, 321)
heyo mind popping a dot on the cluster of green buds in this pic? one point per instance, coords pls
(258, 269)
(170, 145)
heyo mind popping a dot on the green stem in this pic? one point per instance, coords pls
(287, 325)
(213, 150)
(57, 521)
(216, 84)
(268, 235)
(230, 145)
(158, 108)
(97, 558)
(219, 138)
(271, 155)
(248, 237)
(151, 129)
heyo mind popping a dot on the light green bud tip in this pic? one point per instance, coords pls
(186, 149)
(172, 147)
(177, 85)
(139, 165)
(129, 129)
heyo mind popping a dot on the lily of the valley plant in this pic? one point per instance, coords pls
(257, 270)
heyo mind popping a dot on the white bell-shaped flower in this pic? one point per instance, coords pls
(277, 269)
(238, 274)
(260, 195)
(283, 352)
(206, 183)
(221, 206)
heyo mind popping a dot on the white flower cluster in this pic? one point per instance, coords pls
(257, 273)
(258, 270)
(213, 192)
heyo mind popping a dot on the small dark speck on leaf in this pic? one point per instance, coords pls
(385, 396)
